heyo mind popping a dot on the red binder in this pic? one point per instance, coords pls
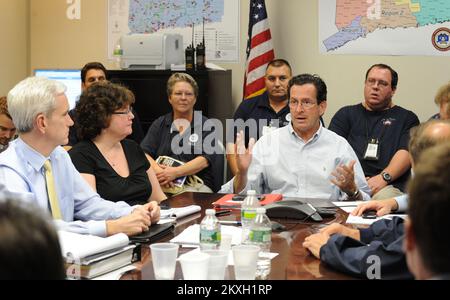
(227, 201)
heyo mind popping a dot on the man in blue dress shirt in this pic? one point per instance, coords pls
(39, 109)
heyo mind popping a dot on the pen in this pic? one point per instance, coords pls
(225, 222)
(222, 212)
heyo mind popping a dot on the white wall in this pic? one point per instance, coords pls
(14, 43)
(59, 43)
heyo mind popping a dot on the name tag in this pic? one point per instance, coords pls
(372, 151)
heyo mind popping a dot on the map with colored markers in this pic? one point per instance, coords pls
(147, 16)
(221, 19)
(384, 27)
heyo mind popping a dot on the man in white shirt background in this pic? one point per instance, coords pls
(302, 159)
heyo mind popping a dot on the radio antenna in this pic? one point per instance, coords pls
(204, 32)
(193, 26)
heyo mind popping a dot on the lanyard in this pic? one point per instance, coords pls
(383, 129)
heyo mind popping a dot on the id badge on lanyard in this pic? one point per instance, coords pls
(373, 150)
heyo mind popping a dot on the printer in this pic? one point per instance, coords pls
(151, 51)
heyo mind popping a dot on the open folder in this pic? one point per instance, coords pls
(227, 200)
(155, 233)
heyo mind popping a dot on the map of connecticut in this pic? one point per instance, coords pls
(357, 18)
(147, 16)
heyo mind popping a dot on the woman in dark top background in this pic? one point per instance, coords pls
(113, 166)
(182, 129)
(442, 99)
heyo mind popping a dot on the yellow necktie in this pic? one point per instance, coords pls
(52, 197)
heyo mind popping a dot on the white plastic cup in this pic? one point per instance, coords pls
(218, 262)
(225, 242)
(245, 258)
(164, 258)
(194, 265)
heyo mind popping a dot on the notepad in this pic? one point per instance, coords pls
(361, 221)
(179, 212)
(88, 256)
(172, 162)
(76, 246)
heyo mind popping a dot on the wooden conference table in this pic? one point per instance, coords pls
(293, 261)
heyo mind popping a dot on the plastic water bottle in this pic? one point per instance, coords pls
(261, 235)
(248, 213)
(118, 52)
(210, 231)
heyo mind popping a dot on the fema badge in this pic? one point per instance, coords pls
(289, 117)
(441, 39)
(193, 138)
(387, 122)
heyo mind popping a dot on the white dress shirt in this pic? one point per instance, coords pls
(283, 163)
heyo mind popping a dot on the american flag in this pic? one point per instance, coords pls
(259, 49)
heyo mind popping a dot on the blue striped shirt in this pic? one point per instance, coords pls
(21, 171)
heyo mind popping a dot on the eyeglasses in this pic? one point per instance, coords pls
(187, 94)
(373, 81)
(129, 110)
(306, 104)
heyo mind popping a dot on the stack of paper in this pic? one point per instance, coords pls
(88, 256)
(349, 206)
(76, 246)
(180, 212)
(361, 221)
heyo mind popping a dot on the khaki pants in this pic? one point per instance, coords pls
(202, 189)
(387, 192)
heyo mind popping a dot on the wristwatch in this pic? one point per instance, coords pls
(354, 195)
(386, 176)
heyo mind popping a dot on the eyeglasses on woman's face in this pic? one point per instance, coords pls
(123, 112)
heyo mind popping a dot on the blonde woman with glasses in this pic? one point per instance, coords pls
(180, 135)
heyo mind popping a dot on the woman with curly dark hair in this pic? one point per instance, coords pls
(112, 165)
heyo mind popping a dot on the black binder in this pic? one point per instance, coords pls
(156, 232)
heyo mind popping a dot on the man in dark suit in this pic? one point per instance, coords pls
(354, 251)
(427, 242)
